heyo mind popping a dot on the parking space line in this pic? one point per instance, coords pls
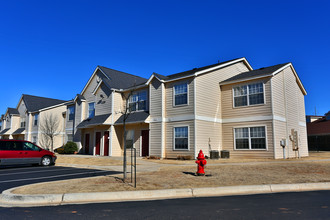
(49, 177)
(39, 171)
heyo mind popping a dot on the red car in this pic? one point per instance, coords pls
(24, 152)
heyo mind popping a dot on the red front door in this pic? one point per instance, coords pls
(97, 143)
(145, 143)
(106, 143)
(87, 144)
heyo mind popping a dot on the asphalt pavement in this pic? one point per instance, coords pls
(14, 176)
(291, 206)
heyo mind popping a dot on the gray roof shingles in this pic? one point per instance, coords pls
(19, 131)
(133, 117)
(96, 120)
(255, 73)
(35, 103)
(4, 131)
(121, 80)
(13, 111)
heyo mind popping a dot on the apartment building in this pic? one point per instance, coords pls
(224, 106)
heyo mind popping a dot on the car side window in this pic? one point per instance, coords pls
(30, 146)
(16, 145)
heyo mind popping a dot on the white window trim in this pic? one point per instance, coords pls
(251, 126)
(179, 126)
(34, 119)
(248, 104)
(177, 84)
(136, 92)
(88, 109)
(74, 111)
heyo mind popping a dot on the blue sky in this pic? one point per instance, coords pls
(51, 48)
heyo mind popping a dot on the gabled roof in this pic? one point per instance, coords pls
(134, 117)
(198, 71)
(35, 103)
(96, 120)
(261, 73)
(19, 131)
(120, 80)
(12, 111)
(4, 131)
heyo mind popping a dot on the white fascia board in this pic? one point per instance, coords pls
(151, 78)
(245, 79)
(53, 106)
(97, 87)
(224, 65)
(132, 88)
(90, 79)
(19, 102)
(299, 81)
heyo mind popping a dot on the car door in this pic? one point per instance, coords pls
(12, 153)
(32, 153)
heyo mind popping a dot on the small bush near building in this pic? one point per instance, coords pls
(70, 147)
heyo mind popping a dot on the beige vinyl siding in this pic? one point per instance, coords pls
(88, 94)
(103, 105)
(208, 136)
(172, 110)
(228, 140)
(303, 143)
(294, 110)
(170, 152)
(117, 142)
(118, 105)
(229, 111)
(155, 139)
(137, 137)
(278, 94)
(208, 94)
(155, 98)
(280, 133)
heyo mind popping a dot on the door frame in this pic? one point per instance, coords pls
(141, 144)
(101, 143)
(89, 143)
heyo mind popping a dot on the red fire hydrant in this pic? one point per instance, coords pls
(201, 162)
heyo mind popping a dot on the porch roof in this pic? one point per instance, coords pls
(4, 131)
(96, 120)
(134, 117)
(19, 131)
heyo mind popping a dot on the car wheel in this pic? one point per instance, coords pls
(46, 161)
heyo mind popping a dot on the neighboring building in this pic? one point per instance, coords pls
(23, 122)
(224, 106)
(312, 118)
(318, 132)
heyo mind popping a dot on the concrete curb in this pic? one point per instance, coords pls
(7, 199)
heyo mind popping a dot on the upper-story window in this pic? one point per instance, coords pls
(181, 94)
(91, 110)
(252, 94)
(138, 101)
(36, 116)
(22, 122)
(71, 113)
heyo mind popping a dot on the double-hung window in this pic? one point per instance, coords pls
(71, 113)
(36, 116)
(22, 122)
(181, 94)
(138, 101)
(252, 94)
(181, 138)
(252, 138)
(91, 110)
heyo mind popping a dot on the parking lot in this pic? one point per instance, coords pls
(14, 176)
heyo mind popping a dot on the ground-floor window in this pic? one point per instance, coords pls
(250, 138)
(181, 138)
(34, 139)
(69, 137)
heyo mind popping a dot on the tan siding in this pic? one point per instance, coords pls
(155, 98)
(89, 96)
(117, 141)
(103, 105)
(228, 111)
(155, 139)
(208, 96)
(278, 94)
(118, 105)
(208, 136)
(179, 110)
(280, 133)
(170, 152)
(228, 140)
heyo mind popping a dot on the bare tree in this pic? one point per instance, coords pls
(49, 128)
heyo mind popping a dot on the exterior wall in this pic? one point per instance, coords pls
(208, 136)
(92, 140)
(229, 111)
(228, 140)
(170, 152)
(103, 100)
(208, 94)
(69, 125)
(89, 96)
(155, 98)
(155, 141)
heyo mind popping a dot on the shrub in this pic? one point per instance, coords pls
(70, 147)
(60, 150)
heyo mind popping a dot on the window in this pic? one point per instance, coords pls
(22, 122)
(34, 139)
(36, 116)
(29, 146)
(246, 95)
(138, 101)
(130, 139)
(252, 138)
(91, 110)
(181, 138)
(181, 94)
(71, 113)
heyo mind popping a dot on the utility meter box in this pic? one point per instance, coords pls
(283, 142)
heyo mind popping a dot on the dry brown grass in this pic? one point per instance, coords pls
(183, 177)
(79, 160)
